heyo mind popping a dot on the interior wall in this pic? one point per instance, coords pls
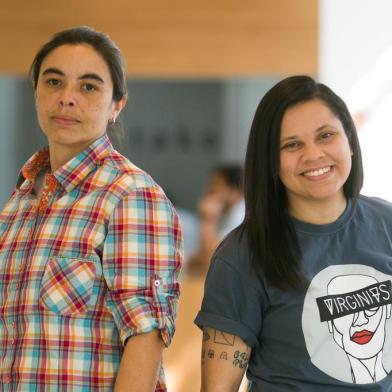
(174, 132)
(19, 132)
(239, 102)
(356, 61)
(173, 38)
(352, 34)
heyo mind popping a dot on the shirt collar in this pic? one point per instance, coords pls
(36, 164)
(78, 168)
(75, 170)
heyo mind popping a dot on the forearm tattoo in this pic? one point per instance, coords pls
(224, 338)
(239, 358)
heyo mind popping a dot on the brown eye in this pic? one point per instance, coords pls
(53, 82)
(291, 146)
(88, 87)
(326, 135)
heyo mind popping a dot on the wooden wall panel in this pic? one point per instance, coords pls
(174, 38)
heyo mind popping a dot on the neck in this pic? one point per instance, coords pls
(60, 155)
(367, 370)
(318, 212)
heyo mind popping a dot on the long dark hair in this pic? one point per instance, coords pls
(272, 239)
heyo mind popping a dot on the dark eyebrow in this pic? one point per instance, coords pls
(318, 130)
(323, 127)
(53, 70)
(82, 77)
(91, 76)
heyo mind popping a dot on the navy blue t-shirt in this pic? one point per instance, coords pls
(337, 334)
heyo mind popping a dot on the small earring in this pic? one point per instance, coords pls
(112, 121)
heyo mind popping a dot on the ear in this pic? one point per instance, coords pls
(118, 106)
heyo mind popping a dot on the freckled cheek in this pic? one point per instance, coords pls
(93, 110)
(44, 106)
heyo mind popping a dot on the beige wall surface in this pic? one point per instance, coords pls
(174, 38)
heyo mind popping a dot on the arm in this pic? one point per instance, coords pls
(143, 283)
(140, 363)
(223, 362)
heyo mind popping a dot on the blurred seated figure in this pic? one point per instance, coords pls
(189, 221)
(221, 209)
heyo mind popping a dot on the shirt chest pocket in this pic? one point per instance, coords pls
(67, 285)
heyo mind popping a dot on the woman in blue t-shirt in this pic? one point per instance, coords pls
(300, 294)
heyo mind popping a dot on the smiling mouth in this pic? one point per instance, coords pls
(362, 337)
(318, 172)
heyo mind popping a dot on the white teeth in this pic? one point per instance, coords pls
(318, 172)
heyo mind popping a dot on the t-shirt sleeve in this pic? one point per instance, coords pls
(232, 302)
(141, 262)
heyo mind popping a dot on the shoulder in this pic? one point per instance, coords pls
(374, 207)
(234, 250)
(125, 177)
(123, 185)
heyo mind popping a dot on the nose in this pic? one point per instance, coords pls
(313, 152)
(360, 319)
(67, 98)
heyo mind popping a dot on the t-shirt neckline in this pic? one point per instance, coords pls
(328, 228)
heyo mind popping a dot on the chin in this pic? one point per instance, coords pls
(327, 194)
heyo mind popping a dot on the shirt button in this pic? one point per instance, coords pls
(7, 379)
(14, 325)
(156, 282)
(13, 342)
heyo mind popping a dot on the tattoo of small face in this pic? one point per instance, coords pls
(224, 338)
(206, 335)
(241, 359)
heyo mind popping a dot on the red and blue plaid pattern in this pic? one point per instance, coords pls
(92, 263)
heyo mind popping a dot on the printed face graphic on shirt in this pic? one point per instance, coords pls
(358, 307)
(355, 311)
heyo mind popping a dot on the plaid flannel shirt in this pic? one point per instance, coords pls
(92, 263)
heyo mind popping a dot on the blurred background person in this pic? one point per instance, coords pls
(221, 209)
(189, 221)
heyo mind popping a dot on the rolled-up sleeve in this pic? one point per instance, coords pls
(231, 302)
(142, 258)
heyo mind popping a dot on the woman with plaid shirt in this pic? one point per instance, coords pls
(90, 247)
